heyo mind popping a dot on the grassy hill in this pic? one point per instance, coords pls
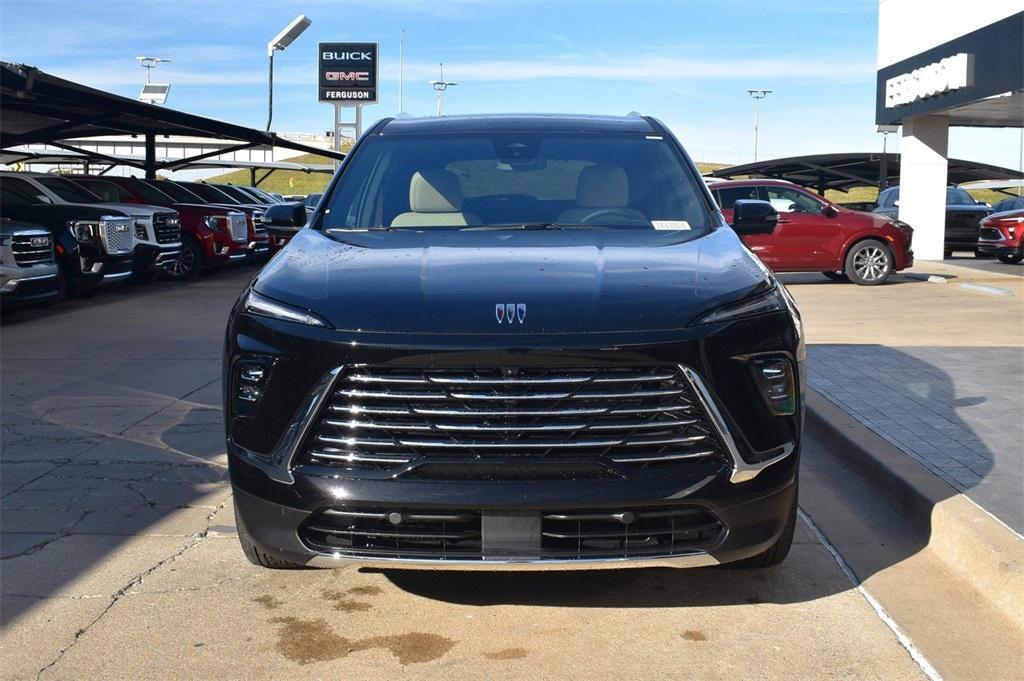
(283, 181)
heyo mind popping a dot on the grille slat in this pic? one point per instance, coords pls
(167, 227)
(378, 418)
(31, 249)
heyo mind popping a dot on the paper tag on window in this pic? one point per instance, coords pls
(670, 224)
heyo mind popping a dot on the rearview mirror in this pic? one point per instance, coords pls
(754, 217)
(291, 214)
(829, 211)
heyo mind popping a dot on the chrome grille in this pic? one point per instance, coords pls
(618, 417)
(118, 235)
(237, 226)
(32, 249)
(168, 228)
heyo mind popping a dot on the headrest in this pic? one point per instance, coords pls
(602, 186)
(435, 191)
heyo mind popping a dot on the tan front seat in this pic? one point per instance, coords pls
(601, 187)
(435, 200)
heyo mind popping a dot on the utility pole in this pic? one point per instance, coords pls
(758, 95)
(439, 87)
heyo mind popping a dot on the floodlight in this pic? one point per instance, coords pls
(288, 34)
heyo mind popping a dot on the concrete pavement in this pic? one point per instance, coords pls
(120, 559)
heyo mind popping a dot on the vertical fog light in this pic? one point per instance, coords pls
(775, 377)
(250, 383)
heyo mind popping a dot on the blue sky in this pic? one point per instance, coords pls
(687, 62)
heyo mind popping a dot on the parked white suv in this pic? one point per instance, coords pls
(157, 229)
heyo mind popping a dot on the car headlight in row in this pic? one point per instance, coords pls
(265, 307)
(213, 223)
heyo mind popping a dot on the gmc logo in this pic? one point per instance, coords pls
(359, 76)
(346, 56)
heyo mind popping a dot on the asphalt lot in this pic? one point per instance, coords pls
(120, 560)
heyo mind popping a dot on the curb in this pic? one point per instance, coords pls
(981, 550)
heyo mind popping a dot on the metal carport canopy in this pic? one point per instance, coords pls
(37, 107)
(844, 171)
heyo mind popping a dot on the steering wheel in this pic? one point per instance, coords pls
(602, 212)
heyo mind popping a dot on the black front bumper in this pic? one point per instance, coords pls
(29, 290)
(998, 248)
(277, 494)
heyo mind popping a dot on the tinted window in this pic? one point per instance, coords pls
(107, 191)
(958, 197)
(17, 192)
(67, 190)
(177, 192)
(888, 198)
(475, 179)
(312, 200)
(727, 196)
(789, 200)
(235, 193)
(1008, 204)
(211, 194)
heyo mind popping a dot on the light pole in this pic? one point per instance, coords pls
(282, 40)
(439, 87)
(758, 95)
(153, 93)
(149, 63)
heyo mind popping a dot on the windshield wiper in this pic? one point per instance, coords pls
(522, 225)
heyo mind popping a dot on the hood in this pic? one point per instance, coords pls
(57, 214)
(201, 209)
(453, 282)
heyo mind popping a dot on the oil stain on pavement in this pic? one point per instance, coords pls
(507, 654)
(307, 641)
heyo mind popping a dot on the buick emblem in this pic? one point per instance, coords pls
(508, 313)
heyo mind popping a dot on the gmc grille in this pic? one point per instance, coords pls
(118, 235)
(168, 228)
(237, 226)
(445, 422)
(31, 249)
(557, 535)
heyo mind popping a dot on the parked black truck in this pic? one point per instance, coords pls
(963, 218)
(515, 342)
(92, 246)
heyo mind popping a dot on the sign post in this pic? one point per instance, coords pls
(348, 75)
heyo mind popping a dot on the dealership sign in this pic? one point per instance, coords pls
(347, 73)
(951, 73)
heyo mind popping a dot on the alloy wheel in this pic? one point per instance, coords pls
(871, 263)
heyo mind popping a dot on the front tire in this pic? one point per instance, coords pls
(837, 276)
(189, 262)
(1011, 258)
(869, 263)
(255, 554)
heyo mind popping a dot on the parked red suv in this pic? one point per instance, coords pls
(816, 235)
(1002, 235)
(211, 236)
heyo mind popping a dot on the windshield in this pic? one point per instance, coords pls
(518, 180)
(209, 194)
(108, 191)
(235, 193)
(958, 197)
(68, 190)
(176, 191)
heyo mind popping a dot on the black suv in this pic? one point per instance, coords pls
(522, 341)
(963, 218)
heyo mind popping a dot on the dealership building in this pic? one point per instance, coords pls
(944, 63)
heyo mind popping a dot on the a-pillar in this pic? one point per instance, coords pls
(923, 176)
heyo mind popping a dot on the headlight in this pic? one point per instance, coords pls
(84, 231)
(762, 303)
(265, 307)
(213, 222)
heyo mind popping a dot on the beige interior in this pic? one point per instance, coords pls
(435, 200)
(601, 187)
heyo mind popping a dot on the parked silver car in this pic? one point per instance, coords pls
(28, 273)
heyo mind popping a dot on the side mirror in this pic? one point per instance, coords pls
(896, 203)
(829, 211)
(754, 217)
(285, 215)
